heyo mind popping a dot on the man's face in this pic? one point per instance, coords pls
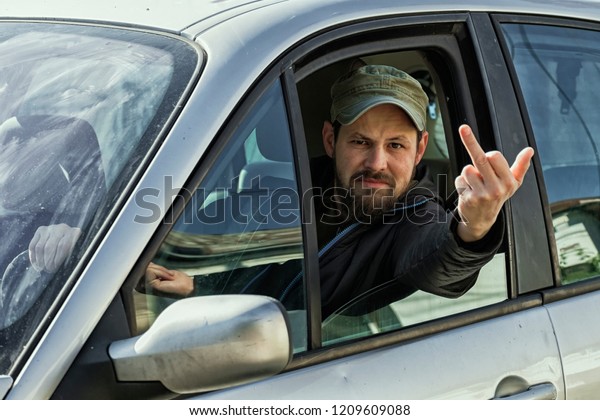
(375, 158)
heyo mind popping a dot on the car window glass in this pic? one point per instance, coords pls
(559, 73)
(357, 318)
(240, 231)
(76, 119)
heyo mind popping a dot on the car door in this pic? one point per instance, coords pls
(498, 340)
(555, 68)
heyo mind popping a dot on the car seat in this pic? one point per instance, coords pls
(255, 193)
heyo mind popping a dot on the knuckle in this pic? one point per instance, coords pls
(42, 230)
(39, 248)
(494, 155)
(468, 169)
(481, 160)
(494, 193)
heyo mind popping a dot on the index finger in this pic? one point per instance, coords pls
(475, 151)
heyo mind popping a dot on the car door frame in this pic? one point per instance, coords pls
(558, 292)
(524, 301)
(494, 85)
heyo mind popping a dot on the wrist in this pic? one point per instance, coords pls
(468, 233)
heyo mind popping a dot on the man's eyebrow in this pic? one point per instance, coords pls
(399, 137)
(358, 134)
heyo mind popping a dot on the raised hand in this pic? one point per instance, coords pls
(484, 186)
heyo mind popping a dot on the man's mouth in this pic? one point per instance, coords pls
(374, 183)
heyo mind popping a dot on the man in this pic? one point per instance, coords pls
(402, 239)
(382, 231)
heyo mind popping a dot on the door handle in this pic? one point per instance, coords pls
(545, 391)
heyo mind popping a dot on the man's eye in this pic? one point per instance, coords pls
(360, 142)
(396, 146)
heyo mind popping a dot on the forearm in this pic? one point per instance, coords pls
(442, 263)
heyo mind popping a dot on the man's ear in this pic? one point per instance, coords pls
(421, 147)
(328, 138)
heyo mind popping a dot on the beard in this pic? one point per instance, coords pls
(365, 204)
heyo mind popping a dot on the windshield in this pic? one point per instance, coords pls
(80, 107)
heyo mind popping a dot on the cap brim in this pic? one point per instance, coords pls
(352, 113)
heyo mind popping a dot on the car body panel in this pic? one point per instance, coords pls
(169, 16)
(429, 368)
(183, 15)
(579, 347)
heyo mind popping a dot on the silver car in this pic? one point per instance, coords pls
(132, 129)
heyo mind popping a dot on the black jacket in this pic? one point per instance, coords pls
(414, 247)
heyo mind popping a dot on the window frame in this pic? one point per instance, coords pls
(307, 59)
(557, 291)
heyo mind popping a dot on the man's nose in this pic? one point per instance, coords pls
(376, 159)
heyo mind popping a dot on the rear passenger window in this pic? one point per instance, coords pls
(559, 73)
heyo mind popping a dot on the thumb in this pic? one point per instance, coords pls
(521, 165)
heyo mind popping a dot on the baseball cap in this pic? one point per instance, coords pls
(363, 88)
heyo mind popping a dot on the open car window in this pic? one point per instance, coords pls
(361, 317)
(350, 322)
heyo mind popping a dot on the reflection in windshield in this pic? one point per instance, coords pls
(79, 107)
(51, 174)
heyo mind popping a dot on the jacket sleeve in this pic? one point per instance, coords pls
(437, 260)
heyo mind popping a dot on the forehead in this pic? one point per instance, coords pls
(386, 118)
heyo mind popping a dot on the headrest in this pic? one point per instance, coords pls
(42, 156)
(273, 136)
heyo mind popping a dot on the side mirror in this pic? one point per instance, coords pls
(206, 343)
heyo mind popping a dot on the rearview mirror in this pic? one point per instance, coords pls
(206, 343)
